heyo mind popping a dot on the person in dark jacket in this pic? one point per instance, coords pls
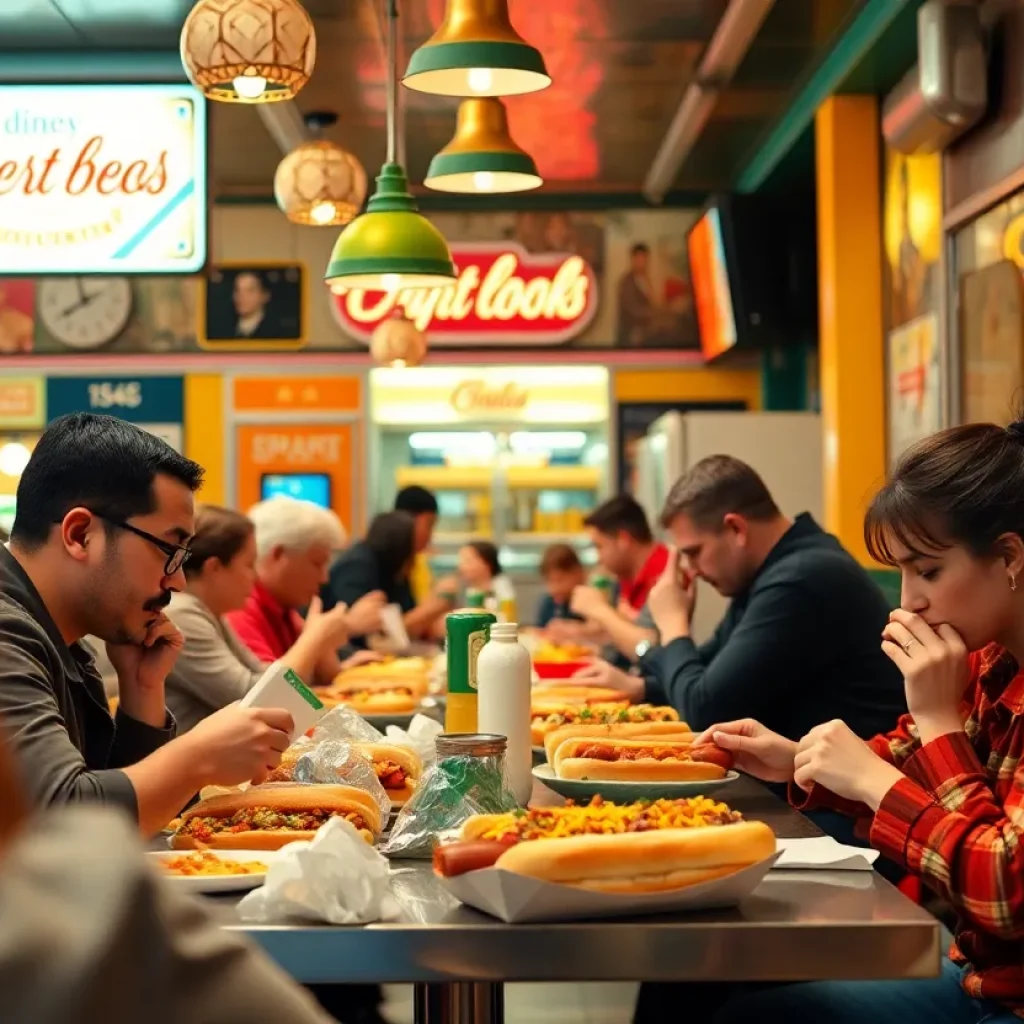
(801, 641)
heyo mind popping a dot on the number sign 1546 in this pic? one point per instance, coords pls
(122, 395)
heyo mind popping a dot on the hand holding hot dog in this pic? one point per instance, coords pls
(758, 751)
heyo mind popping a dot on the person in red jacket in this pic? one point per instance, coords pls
(943, 792)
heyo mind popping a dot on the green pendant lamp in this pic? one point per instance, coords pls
(482, 159)
(391, 246)
(477, 52)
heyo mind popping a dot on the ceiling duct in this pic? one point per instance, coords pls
(945, 94)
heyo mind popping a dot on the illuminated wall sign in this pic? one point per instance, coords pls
(474, 396)
(22, 402)
(503, 295)
(146, 401)
(101, 179)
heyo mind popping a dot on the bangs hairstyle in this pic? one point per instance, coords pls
(964, 485)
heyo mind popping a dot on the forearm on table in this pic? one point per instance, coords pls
(625, 635)
(327, 667)
(304, 658)
(164, 783)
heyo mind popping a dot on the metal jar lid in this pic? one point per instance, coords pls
(470, 744)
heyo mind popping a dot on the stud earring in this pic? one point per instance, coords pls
(1013, 581)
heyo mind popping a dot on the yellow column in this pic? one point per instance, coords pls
(852, 356)
(204, 432)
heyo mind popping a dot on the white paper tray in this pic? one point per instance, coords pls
(516, 899)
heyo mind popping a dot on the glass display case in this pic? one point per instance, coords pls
(515, 455)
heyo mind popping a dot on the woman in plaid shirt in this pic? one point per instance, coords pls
(943, 793)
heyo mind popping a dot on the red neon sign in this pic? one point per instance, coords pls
(503, 295)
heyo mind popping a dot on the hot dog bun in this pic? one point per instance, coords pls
(638, 862)
(343, 686)
(570, 762)
(405, 758)
(287, 799)
(677, 731)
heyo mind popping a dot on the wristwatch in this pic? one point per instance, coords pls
(642, 648)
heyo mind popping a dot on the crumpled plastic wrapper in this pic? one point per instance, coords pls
(336, 878)
(337, 761)
(450, 791)
(345, 723)
(421, 736)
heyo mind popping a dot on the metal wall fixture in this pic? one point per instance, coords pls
(248, 51)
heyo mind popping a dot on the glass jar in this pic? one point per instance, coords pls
(473, 765)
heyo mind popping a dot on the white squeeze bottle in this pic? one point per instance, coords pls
(503, 673)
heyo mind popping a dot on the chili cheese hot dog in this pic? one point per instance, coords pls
(545, 721)
(677, 732)
(642, 847)
(267, 818)
(643, 760)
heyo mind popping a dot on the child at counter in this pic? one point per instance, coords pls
(942, 794)
(479, 568)
(562, 572)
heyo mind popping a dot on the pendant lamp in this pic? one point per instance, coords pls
(398, 342)
(477, 52)
(318, 183)
(248, 51)
(482, 158)
(392, 245)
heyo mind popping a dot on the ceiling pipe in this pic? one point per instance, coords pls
(730, 43)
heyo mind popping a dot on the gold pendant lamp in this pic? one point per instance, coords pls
(477, 52)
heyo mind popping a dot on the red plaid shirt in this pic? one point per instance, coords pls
(957, 821)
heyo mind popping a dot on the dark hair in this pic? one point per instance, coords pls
(488, 554)
(640, 247)
(963, 485)
(415, 500)
(559, 558)
(220, 533)
(391, 538)
(96, 462)
(715, 487)
(621, 513)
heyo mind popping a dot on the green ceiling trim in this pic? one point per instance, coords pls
(867, 27)
(91, 66)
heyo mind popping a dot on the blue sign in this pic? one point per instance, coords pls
(136, 399)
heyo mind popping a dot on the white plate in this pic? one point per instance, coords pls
(627, 792)
(218, 883)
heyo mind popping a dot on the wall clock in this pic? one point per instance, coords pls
(85, 312)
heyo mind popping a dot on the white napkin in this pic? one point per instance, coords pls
(824, 852)
(337, 878)
(421, 736)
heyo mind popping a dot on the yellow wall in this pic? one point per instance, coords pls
(852, 359)
(691, 385)
(204, 432)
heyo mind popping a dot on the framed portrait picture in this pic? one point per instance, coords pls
(254, 305)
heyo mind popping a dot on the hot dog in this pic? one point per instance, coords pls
(653, 760)
(665, 845)
(269, 817)
(597, 714)
(383, 699)
(677, 732)
(398, 768)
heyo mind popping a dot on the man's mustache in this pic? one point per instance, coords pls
(158, 604)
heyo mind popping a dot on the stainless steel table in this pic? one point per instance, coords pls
(798, 926)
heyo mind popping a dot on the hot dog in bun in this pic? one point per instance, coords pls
(655, 847)
(544, 721)
(269, 817)
(677, 732)
(645, 760)
(374, 698)
(398, 768)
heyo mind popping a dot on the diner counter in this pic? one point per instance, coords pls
(798, 925)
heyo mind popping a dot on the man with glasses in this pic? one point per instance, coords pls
(105, 515)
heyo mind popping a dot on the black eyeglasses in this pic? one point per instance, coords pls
(177, 554)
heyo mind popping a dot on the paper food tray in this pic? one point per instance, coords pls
(516, 899)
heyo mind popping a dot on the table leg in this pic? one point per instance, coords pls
(460, 1002)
